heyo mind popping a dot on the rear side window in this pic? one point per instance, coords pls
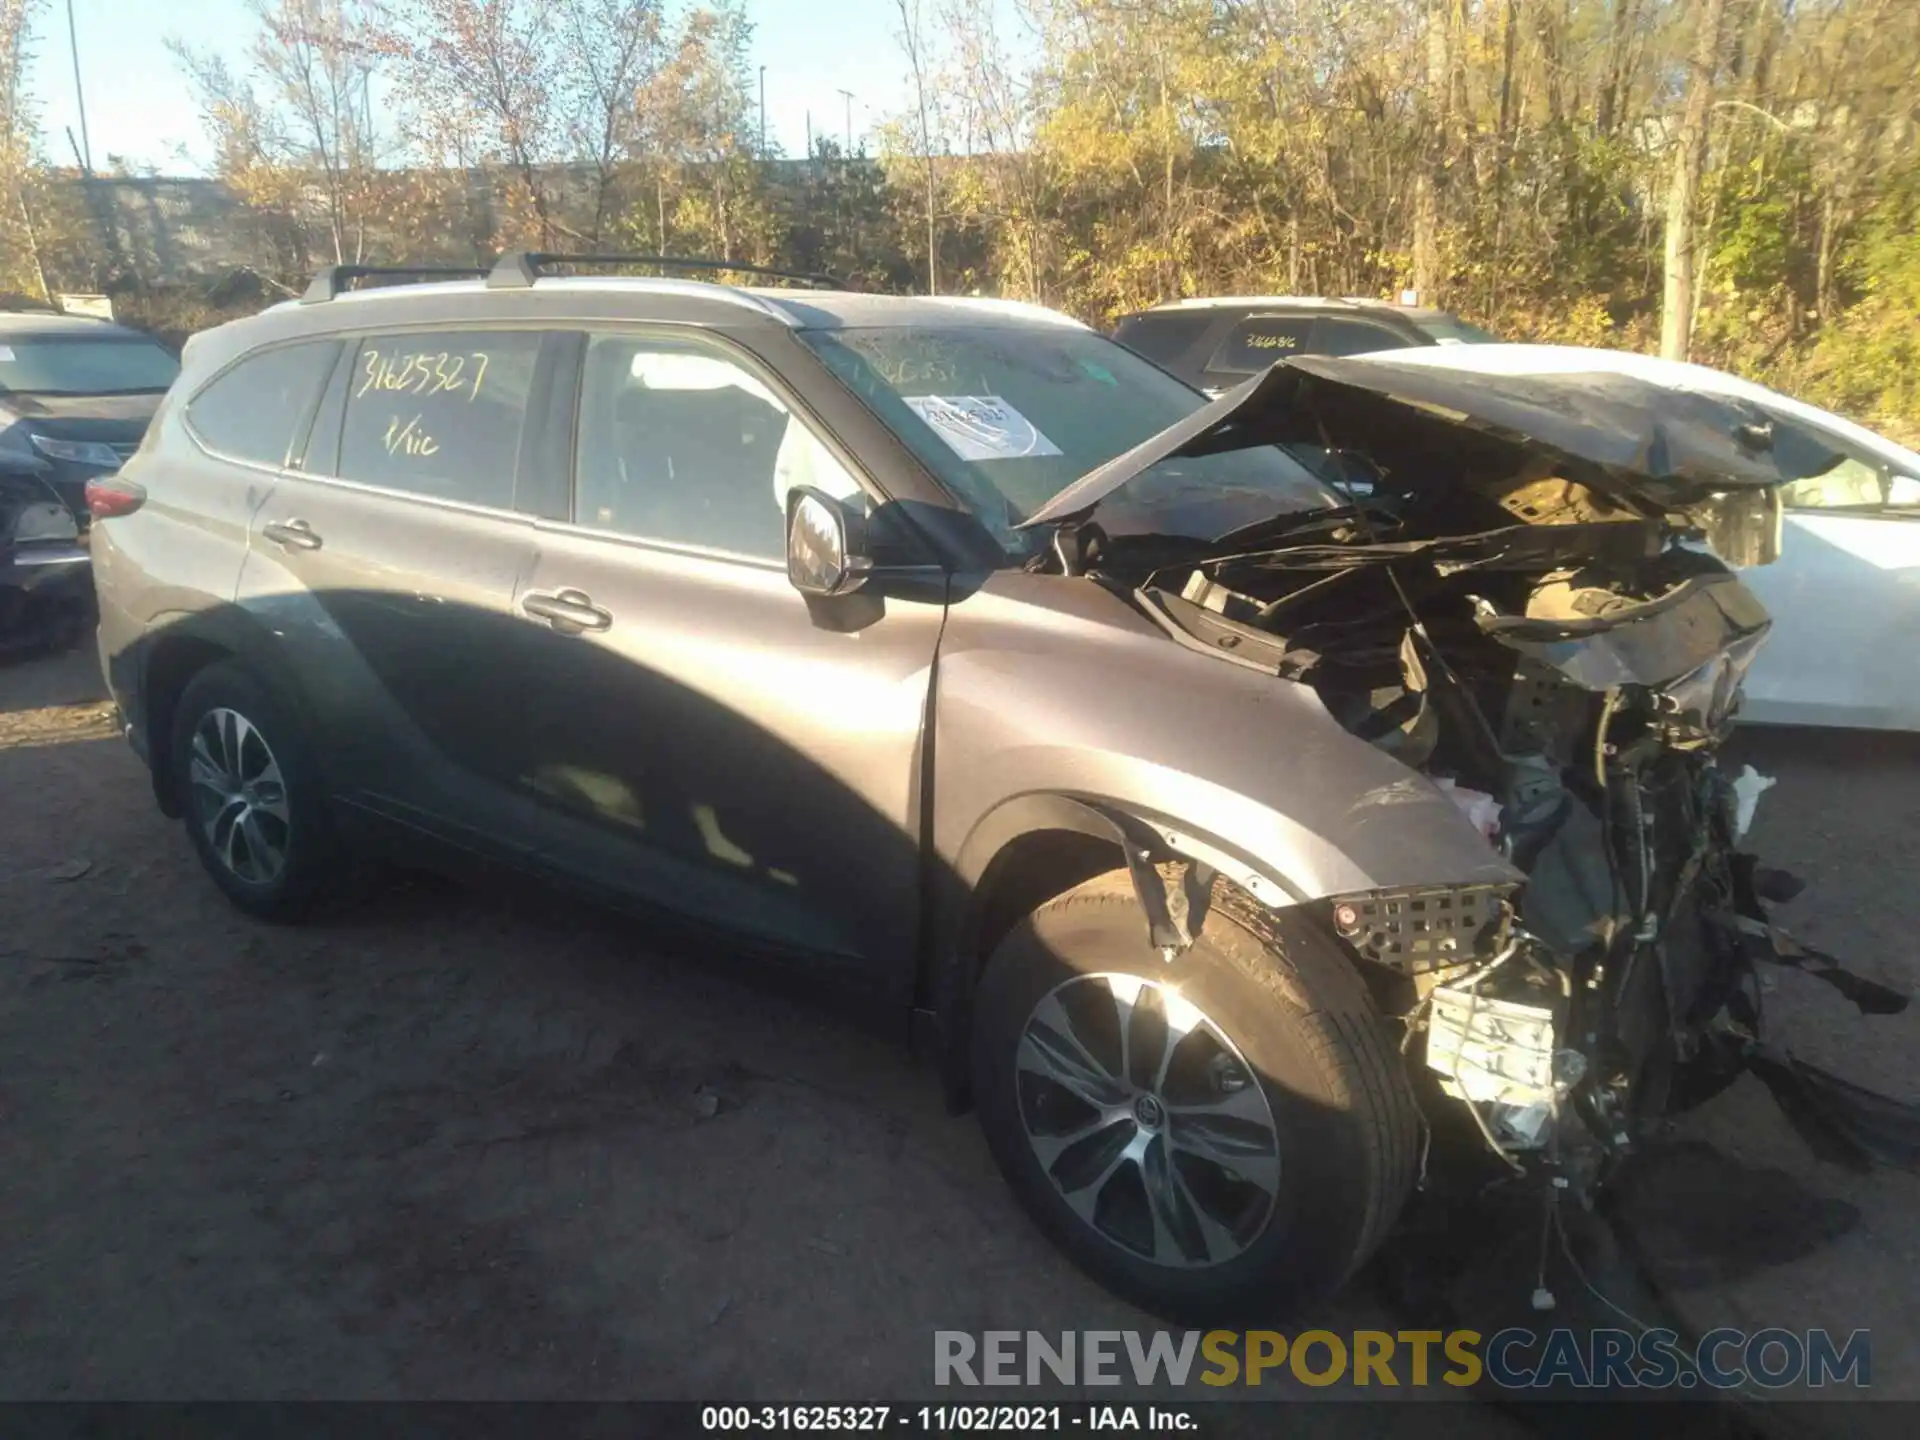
(253, 411)
(1354, 337)
(1260, 340)
(439, 414)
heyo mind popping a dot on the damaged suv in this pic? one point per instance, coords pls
(1229, 840)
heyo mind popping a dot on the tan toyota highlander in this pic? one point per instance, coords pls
(1232, 795)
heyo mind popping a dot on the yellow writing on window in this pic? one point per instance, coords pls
(422, 372)
(408, 438)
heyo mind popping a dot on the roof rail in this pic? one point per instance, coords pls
(335, 278)
(518, 269)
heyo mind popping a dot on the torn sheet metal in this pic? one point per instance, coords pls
(1775, 946)
(1842, 1122)
(1701, 635)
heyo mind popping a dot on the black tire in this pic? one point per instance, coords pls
(1343, 1114)
(310, 857)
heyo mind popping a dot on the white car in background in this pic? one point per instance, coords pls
(1845, 592)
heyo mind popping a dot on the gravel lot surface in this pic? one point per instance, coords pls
(448, 1144)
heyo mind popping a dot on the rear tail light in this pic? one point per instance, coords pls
(109, 495)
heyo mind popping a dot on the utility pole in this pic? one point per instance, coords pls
(763, 112)
(848, 95)
(79, 93)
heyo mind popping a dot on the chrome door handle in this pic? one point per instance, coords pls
(568, 611)
(293, 535)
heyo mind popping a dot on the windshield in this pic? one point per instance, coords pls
(1451, 330)
(50, 365)
(1008, 416)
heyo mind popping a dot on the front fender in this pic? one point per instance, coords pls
(1053, 686)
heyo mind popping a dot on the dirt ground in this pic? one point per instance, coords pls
(450, 1144)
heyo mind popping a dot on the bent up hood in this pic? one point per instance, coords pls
(1659, 448)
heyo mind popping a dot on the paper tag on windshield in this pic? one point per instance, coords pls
(6, 354)
(981, 427)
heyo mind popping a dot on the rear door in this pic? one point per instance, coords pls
(705, 740)
(386, 562)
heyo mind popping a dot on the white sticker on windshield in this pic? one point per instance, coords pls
(6, 354)
(981, 427)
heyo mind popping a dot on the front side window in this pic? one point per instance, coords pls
(252, 410)
(60, 365)
(439, 414)
(1007, 416)
(680, 443)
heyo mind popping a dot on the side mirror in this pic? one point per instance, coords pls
(823, 556)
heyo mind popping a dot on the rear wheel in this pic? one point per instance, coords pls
(253, 805)
(1225, 1134)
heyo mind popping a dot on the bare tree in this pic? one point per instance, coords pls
(1689, 159)
(487, 76)
(912, 41)
(618, 48)
(18, 134)
(300, 117)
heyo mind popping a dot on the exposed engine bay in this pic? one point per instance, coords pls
(1523, 599)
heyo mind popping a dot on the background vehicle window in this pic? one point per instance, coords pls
(1862, 480)
(51, 365)
(439, 414)
(1353, 337)
(1850, 485)
(681, 444)
(1165, 336)
(1260, 340)
(252, 411)
(1452, 330)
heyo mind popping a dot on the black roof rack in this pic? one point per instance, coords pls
(335, 278)
(517, 269)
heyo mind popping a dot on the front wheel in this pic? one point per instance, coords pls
(1227, 1133)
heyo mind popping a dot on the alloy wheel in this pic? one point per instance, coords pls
(1148, 1120)
(239, 797)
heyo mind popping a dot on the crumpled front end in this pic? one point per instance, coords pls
(1530, 609)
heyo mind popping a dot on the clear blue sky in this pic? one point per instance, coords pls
(138, 105)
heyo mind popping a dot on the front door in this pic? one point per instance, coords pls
(701, 741)
(387, 567)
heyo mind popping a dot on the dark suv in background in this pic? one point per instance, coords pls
(1215, 344)
(1206, 824)
(76, 395)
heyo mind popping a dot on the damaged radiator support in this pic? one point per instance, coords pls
(1429, 929)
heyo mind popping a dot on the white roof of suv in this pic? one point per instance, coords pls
(799, 308)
